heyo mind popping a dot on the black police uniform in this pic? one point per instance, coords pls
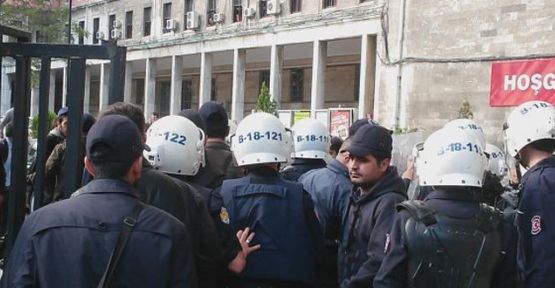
(447, 240)
(536, 226)
(282, 215)
(300, 166)
(187, 205)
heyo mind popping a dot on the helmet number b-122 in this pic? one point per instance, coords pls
(175, 138)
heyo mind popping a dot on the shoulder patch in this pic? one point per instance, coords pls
(536, 225)
(224, 216)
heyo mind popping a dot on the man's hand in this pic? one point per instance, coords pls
(240, 261)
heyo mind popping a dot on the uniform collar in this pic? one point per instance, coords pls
(217, 145)
(458, 194)
(338, 168)
(547, 162)
(109, 186)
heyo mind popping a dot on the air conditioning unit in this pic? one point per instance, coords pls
(218, 18)
(115, 34)
(100, 35)
(116, 24)
(273, 7)
(249, 12)
(171, 24)
(193, 21)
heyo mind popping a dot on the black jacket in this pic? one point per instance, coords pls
(220, 165)
(367, 226)
(300, 166)
(187, 205)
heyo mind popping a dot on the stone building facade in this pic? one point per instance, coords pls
(409, 64)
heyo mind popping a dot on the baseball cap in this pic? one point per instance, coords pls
(373, 139)
(63, 111)
(194, 116)
(121, 137)
(215, 118)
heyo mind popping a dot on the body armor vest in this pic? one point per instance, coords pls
(451, 252)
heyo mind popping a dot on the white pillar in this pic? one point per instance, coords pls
(150, 86)
(104, 79)
(34, 101)
(52, 91)
(276, 68)
(6, 92)
(64, 89)
(128, 82)
(205, 78)
(176, 83)
(320, 51)
(238, 93)
(87, 98)
(367, 76)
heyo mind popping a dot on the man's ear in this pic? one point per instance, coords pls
(385, 164)
(89, 166)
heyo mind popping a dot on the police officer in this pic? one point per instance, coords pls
(449, 239)
(312, 142)
(530, 138)
(377, 189)
(220, 164)
(330, 188)
(177, 149)
(71, 241)
(280, 212)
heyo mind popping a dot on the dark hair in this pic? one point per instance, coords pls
(545, 145)
(60, 119)
(104, 168)
(9, 130)
(491, 189)
(380, 157)
(335, 143)
(131, 111)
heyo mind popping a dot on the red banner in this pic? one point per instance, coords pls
(515, 82)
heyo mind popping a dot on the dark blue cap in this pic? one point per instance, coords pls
(119, 135)
(194, 116)
(371, 139)
(215, 118)
(63, 111)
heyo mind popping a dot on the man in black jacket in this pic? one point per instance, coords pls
(183, 202)
(377, 189)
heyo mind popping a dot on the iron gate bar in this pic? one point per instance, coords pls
(44, 125)
(73, 155)
(16, 199)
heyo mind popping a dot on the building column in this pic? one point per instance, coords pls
(367, 76)
(87, 95)
(238, 93)
(104, 79)
(176, 83)
(34, 101)
(319, 55)
(64, 85)
(205, 78)
(150, 86)
(52, 91)
(128, 82)
(276, 68)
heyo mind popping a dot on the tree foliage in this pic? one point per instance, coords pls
(37, 16)
(264, 103)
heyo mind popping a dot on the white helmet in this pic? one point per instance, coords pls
(468, 126)
(496, 160)
(260, 138)
(452, 158)
(176, 146)
(529, 122)
(311, 138)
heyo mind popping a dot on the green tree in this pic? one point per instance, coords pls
(264, 103)
(35, 123)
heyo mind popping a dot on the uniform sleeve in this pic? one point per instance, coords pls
(536, 227)
(182, 270)
(230, 244)
(340, 202)
(210, 248)
(394, 269)
(20, 269)
(375, 249)
(505, 274)
(312, 220)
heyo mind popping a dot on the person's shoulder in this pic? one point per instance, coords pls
(156, 220)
